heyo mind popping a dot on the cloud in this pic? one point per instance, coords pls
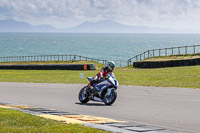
(65, 13)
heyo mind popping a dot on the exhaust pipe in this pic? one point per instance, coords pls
(97, 99)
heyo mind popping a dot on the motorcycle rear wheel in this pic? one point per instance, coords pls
(83, 95)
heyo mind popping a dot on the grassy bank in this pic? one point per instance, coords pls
(174, 57)
(188, 76)
(98, 65)
(12, 121)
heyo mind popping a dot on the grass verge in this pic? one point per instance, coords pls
(12, 121)
(187, 77)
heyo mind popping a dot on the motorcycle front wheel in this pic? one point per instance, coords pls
(83, 95)
(110, 99)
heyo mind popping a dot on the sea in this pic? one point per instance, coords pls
(106, 46)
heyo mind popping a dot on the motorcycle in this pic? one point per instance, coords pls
(104, 91)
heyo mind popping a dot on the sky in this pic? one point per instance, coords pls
(175, 14)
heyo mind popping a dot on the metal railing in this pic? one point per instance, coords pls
(165, 52)
(49, 58)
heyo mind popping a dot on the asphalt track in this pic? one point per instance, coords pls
(171, 108)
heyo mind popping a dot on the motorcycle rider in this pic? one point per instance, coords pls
(102, 74)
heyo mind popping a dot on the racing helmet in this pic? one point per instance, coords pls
(111, 65)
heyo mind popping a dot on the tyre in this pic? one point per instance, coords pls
(83, 95)
(110, 99)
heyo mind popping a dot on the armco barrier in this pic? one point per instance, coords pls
(50, 67)
(161, 64)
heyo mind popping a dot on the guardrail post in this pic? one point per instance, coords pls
(140, 57)
(185, 49)
(159, 52)
(128, 62)
(153, 53)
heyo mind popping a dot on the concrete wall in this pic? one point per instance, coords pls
(161, 64)
(51, 67)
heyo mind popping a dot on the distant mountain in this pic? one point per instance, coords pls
(105, 26)
(108, 26)
(17, 26)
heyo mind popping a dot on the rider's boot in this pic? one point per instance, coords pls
(90, 85)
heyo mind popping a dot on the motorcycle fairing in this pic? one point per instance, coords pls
(102, 85)
(110, 81)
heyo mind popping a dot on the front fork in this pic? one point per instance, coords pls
(109, 91)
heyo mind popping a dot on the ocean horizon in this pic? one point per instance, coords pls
(106, 46)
